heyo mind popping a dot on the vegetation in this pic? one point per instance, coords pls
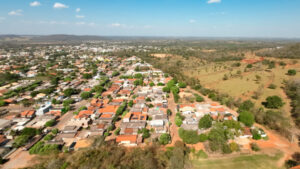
(291, 72)
(164, 139)
(247, 118)
(205, 122)
(104, 155)
(273, 102)
(292, 89)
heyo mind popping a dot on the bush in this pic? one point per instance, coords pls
(249, 66)
(117, 132)
(188, 136)
(164, 138)
(182, 85)
(234, 147)
(199, 98)
(226, 149)
(203, 137)
(256, 135)
(254, 147)
(50, 123)
(86, 95)
(273, 102)
(201, 154)
(178, 121)
(205, 122)
(272, 86)
(247, 118)
(292, 72)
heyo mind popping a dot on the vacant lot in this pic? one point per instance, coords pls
(257, 161)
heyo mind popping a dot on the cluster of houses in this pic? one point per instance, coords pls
(194, 112)
(142, 107)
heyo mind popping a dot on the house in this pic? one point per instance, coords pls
(40, 121)
(44, 109)
(108, 109)
(127, 140)
(98, 129)
(129, 131)
(4, 124)
(28, 114)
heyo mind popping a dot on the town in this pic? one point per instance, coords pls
(57, 98)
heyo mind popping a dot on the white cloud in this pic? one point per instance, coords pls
(2, 19)
(213, 1)
(92, 24)
(77, 10)
(58, 5)
(80, 16)
(80, 23)
(53, 22)
(192, 21)
(35, 3)
(116, 25)
(16, 12)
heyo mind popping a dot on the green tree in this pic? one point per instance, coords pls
(164, 138)
(273, 102)
(86, 95)
(205, 122)
(247, 118)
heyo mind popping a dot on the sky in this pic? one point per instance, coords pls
(192, 18)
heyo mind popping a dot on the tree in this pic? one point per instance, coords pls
(203, 137)
(247, 118)
(2, 103)
(151, 84)
(70, 91)
(182, 85)
(178, 121)
(86, 95)
(115, 73)
(50, 123)
(246, 106)
(273, 102)
(166, 89)
(164, 138)
(87, 75)
(205, 122)
(188, 136)
(130, 103)
(199, 98)
(249, 66)
(291, 72)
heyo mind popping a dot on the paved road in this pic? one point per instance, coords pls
(66, 117)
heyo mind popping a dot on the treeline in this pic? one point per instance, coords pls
(290, 51)
(104, 155)
(292, 89)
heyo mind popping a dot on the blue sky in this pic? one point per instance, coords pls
(204, 18)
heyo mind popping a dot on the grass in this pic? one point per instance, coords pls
(258, 161)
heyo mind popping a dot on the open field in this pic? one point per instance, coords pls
(258, 161)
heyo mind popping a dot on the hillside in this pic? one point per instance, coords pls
(291, 51)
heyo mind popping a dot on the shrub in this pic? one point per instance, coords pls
(292, 72)
(273, 102)
(203, 137)
(199, 98)
(178, 121)
(201, 154)
(117, 131)
(254, 147)
(182, 85)
(50, 123)
(86, 95)
(256, 135)
(164, 138)
(188, 136)
(234, 147)
(249, 66)
(272, 86)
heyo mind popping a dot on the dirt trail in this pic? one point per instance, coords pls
(173, 128)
